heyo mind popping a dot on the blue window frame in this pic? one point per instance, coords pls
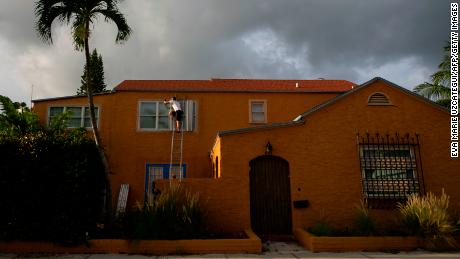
(155, 172)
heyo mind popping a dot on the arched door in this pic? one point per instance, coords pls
(270, 196)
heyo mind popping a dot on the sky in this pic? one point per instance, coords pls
(356, 40)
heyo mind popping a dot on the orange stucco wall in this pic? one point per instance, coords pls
(323, 154)
(129, 149)
(224, 200)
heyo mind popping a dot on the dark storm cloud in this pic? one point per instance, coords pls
(348, 31)
(337, 33)
(17, 22)
(400, 40)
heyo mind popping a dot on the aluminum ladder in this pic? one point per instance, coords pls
(122, 199)
(175, 164)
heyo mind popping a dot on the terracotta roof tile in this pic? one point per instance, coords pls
(236, 85)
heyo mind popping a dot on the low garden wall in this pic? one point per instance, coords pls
(224, 200)
(252, 244)
(365, 243)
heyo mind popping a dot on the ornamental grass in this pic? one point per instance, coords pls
(429, 217)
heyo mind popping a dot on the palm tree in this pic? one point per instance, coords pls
(443, 75)
(433, 91)
(80, 15)
(438, 90)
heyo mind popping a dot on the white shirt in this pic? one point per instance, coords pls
(175, 105)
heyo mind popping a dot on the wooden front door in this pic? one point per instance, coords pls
(270, 196)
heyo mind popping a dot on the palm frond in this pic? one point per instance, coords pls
(442, 77)
(444, 102)
(433, 91)
(77, 13)
(79, 32)
(113, 15)
(47, 11)
(445, 64)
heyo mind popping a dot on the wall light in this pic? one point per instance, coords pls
(268, 148)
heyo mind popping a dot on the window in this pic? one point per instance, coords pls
(156, 172)
(78, 115)
(154, 116)
(389, 167)
(151, 117)
(53, 112)
(87, 117)
(257, 111)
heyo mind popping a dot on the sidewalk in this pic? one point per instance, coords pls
(271, 250)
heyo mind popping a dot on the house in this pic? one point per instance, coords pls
(274, 155)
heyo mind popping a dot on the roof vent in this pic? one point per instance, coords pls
(378, 99)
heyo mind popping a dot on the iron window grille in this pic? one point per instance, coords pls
(391, 168)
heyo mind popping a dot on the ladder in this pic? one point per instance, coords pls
(175, 165)
(122, 199)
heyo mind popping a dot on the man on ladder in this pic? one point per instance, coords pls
(175, 165)
(175, 112)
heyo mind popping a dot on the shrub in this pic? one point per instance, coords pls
(429, 217)
(364, 224)
(167, 212)
(322, 227)
(51, 186)
(51, 179)
(192, 213)
(176, 214)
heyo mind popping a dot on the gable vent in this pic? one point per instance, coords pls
(378, 99)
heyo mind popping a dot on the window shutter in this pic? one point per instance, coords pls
(190, 115)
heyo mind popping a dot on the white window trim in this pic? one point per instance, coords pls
(82, 122)
(157, 121)
(251, 101)
(187, 124)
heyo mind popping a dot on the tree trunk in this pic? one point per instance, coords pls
(97, 136)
